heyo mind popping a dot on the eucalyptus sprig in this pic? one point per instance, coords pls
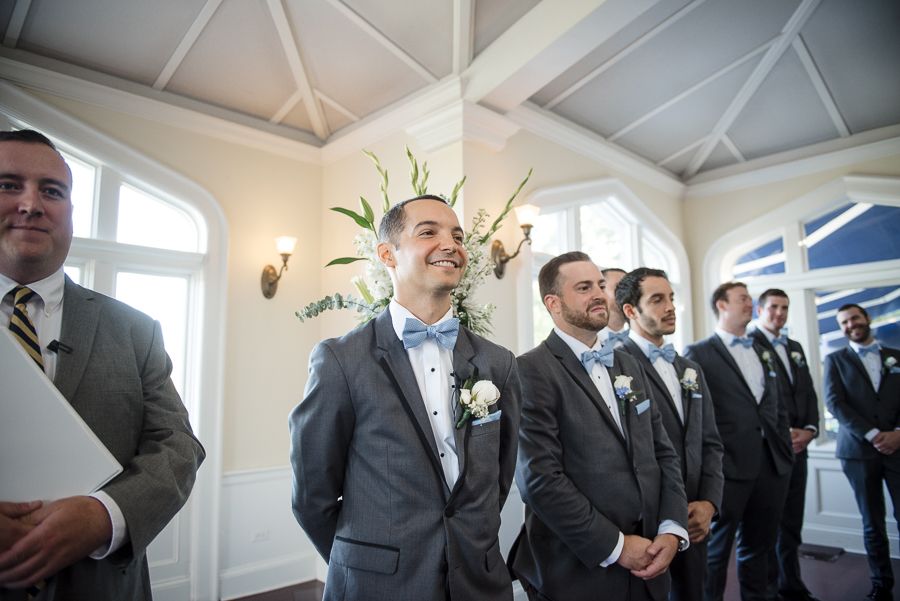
(336, 302)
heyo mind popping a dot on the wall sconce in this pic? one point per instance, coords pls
(270, 277)
(527, 215)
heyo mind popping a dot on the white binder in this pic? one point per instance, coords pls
(47, 452)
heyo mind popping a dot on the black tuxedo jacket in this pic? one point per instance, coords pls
(697, 440)
(739, 417)
(800, 395)
(857, 406)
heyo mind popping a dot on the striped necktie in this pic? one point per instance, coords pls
(21, 325)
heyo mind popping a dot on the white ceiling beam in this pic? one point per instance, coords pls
(543, 44)
(623, 53)
(16, 22)
(681, 152)
(298, 68)
(186, 43)
(681, 96)
(382, 39)
(337, 106)
(819, 84)
(463, 34)
(765, 66)
(287, 107)
(729, 144)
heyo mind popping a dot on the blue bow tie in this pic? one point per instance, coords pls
(667, 352)
(782, 340)
(747, 342)
(415, 332)
(614, 337)
(865, 350)
(604, 356)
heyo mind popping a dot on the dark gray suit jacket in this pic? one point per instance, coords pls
(696, 440)
(582, 482)
(857, 406)
(739, 418)
(800, 394)
(369, 489)
(117, 379)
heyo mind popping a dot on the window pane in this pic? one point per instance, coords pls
(74, 273)
(83, 177)
(654, 257)
(605, 236)
(764, 260)
(543, 324)
(548, 233)
(855, 233)
(163, 298)
(148, 221)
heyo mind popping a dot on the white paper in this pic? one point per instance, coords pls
(47, 452)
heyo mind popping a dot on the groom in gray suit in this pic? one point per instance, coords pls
(605, 504)
(114, 371)
(397, 486)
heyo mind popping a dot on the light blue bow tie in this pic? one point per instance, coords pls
(415, 332)
(604, 356)
(667, 352)
(620, 337)
(865, 350)
(747, 342)
(782, 340)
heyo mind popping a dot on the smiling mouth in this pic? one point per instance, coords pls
(445, 263)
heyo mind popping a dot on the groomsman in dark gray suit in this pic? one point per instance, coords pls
(398, 487)
(114, 371)
(803, 413)
(753, 423)
(862, 390)
(679, 389)
(605, 506)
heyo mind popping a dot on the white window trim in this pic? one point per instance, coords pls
(626, 202)
(204, 560)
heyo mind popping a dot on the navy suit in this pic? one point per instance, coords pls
(757, 464)
(859, 408)
(802, 406)
(699, 450)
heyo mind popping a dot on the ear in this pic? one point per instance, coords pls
(629, 311)
(759, 309)
(386, 254)
(720, 305)
(553, 304)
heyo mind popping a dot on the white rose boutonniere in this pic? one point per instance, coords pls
(476, 397)
(890, 366)
(797, 358)
(766, 356)
(689, 383)
(624, 393)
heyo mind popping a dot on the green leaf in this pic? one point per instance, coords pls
(367, 211)
(456, 190)
(346, 261)
(359, 219)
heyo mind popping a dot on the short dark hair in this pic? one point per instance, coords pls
(721, 293)
(394, 220)
(628, 290)
(851, 305)
(608, 269)
(548, 278)
(26, 135)
(771, 292)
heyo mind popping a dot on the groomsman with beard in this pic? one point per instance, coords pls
(679, 389)
(617, 327)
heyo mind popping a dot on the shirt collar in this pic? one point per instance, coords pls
(855, 346)
(765, 332)
(644, 344)
(399, 315)
(50, 289)
(726, 337)
(576, 345)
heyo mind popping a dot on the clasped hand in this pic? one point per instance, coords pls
(648, 559)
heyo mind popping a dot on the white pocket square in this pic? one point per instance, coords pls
(490, 418)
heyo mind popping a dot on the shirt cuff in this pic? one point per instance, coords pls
(614, 556)
(673, 527)
(814, 429)
(872, 434)
(119, 527)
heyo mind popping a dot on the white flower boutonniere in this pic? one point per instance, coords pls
(476, 397)
(766, 356)
(890, 366)
(624, 393)
(797, 358)
(689, 381)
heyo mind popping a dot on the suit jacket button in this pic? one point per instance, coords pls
(449, 512)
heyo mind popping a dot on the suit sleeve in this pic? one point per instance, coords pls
(509, 433)
(837, 402)
(810, 400)
(711, 479)
(321, 428)
(157, 481)
(542, 482)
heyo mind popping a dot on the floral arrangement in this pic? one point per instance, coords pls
(622, 386)
(890, 366)
(476, 397)
(766, 356)
(689, 381)
(797, 358)
(376, 289)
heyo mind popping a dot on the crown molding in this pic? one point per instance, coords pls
(463, 121)
(583, 141)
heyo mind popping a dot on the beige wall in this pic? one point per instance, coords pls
(708, 219)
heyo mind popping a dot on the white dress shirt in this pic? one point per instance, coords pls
(45, 309)
(872, 363)
(600, 378)
(665, 370)
(748, 362)
(432, 364)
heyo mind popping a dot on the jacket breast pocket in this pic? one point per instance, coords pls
(369, 557)
(488, 428)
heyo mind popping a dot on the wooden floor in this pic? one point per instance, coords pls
(846, 579)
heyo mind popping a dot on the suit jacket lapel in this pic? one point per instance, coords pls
(395, 363)
(463, 368)
(853, 359)
(687, 397)
(653, 375)
(79, 325)
(723, 351)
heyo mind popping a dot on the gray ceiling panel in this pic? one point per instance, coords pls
(719, 157)
(493, 17)
(133, 40)
(336, 119)
(856, 46)
(298, 117)
(678, 165)
(785, 113)
(237, 62)
(6, 10)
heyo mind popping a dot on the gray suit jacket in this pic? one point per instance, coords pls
(117, 379)
(582, 482)
(696, 440)
(369, 489)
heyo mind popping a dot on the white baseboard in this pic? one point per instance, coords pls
(172, 589)
(252, 579)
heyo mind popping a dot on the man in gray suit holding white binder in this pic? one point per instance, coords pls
(112, 367)
(397, 486)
